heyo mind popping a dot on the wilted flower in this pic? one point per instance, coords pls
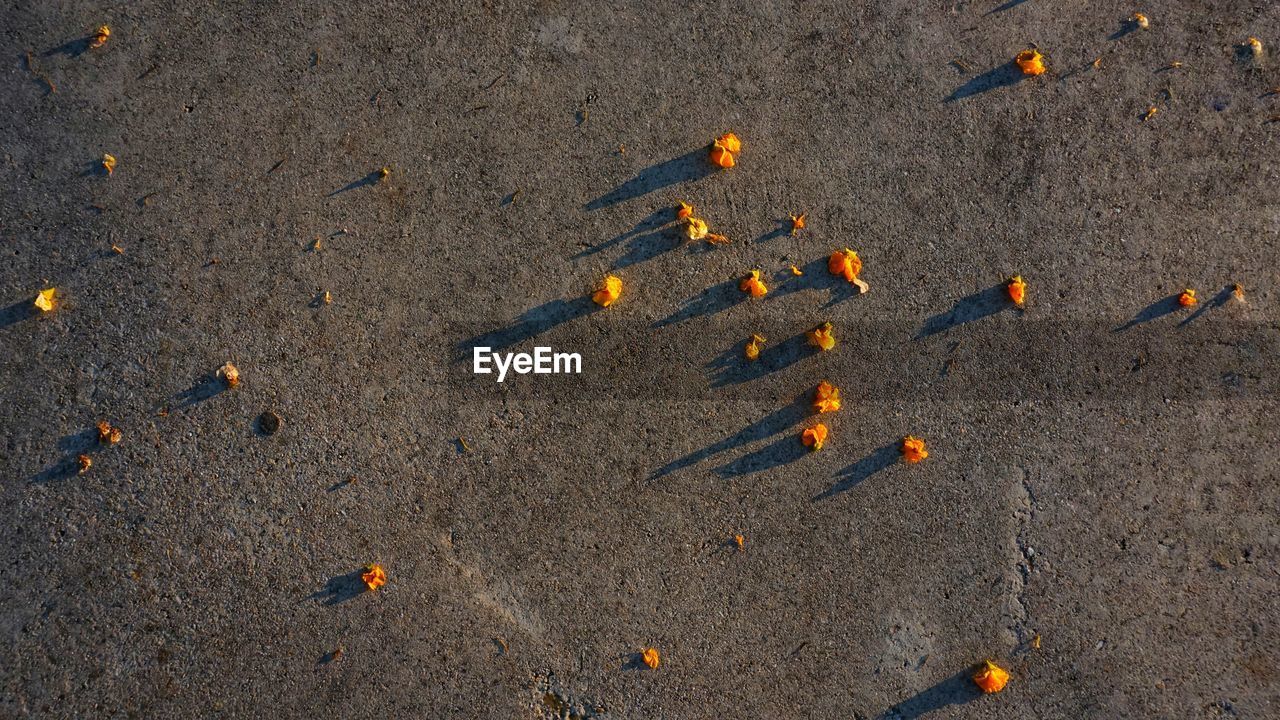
(1031, 62)
(609, 291)
(1255, 46)
(46, 299)
(796, 271)
(85, 462)
(108, 435)
(740, 541)
(991, 678)
(913, 449)
(814, 437)
(683, 210)
(822, 337)
(724, 149)
(109, 163)
(1187, 298)
(229, 374)
(754, 285)
(797, 222)
(1017, 289)
(374, 576)
(99, 37)
(848, 265)
(826, 398)
(754, 346)
(651, 658)
(695, 228)
(1140, 20)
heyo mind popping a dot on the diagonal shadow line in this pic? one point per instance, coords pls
(731, 367)
(709, 302)
(1128, 27)
(643, 248)
(340, 589)
(1007, 6)
(955, 690)
(532, 323)
(1213, 303)
(881, 458)
(816, 277)
(366, 181)
(970, 308)
(1000, 76)
(692, 165)
(71, 48)
(775, 422)
(655, 220)
(1154, 311)
(17, 312)
(783, 451)
(205, 388)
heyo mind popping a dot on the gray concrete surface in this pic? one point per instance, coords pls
(1108, 485)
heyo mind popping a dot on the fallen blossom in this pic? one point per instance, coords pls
(754, 285)
(1238, 291)
(683, 210)
(724, 149)
(85, 462)
(913, 449)
(374, 576)
(108, 435)
(1150, 113)
(754, 346)
(46, 299)
(99, 37)
(1255, 46)
(109, 163)
(740, 541)
(822, 337)
(229, 374)
(1031, 62)
(796, 271)
(826, 398)
(730, 142)
(1017, 288)
(797, 222)
(848, 265)
(1140, 20)
(609, 291)
(814, 437)
(1187, 298)
(695, 228)
(651, 658)
(991, 678)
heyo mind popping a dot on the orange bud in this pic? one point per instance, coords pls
(797, 222)
(1017, 290)
(1187, 298)
(652, 658)
(683, 210)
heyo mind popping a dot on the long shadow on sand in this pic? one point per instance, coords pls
(366, 181)
(970, 308)
(881, 458)
(1217, 301)
(532, 323)
(1154, 311)
(17, 312)
(690, 166)
(637, 235)
(340, 589)
(955, 690)
(778, 421)
(709, 302)
(1000, 76)
(204, 388)
(1007, 6)
(71, 48)
(72, 447)
(783, 451)
(731, 367)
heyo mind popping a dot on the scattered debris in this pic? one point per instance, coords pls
(374, 576)
(463, 442)
(913, 450)
(326, 298)
(1238, 291)
(814, 437)
(46, 299)
(991, 678)
(1031, 62)
(753, 285)
(826, 398)
(754, 346)
(608, 292)
(117, 249)
(822, 337)
(384, 173)
(317, 245)
(1035, 642)
(229, 374)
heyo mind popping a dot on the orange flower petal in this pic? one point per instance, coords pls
(797, 222)
(229, 374)
(730, 142)
(683, 210)
(108, 435)
(815, 436)
(609, 291)
(822, 337)
(754, 285)
(826, 398)
(991, 678)
(695, 228)
(652, 658)
(721, 156)
(754, 346)
(46, 299)
(99, 37)
(374, 576)
(1017, 289)
(1187, 298)
(1031, 62)
(913, 450)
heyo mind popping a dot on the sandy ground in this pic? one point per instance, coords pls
(1102, 469)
